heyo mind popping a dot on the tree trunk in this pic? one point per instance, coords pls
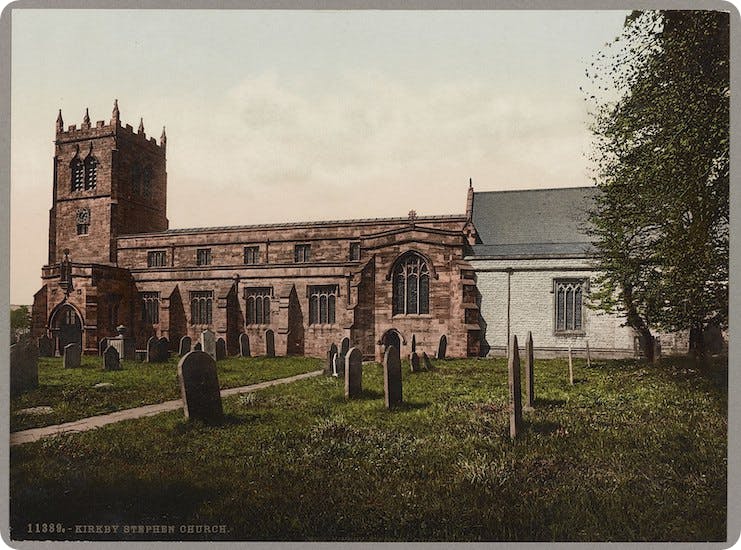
(635, 321)
(697, 341)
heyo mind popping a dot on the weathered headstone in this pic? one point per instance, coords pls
(163, 349)
(442, 348)
(529, 373)
(111, 360)
(198, 347)
(392, 377)
(657, 349)
(102, 345)
(184, 347)
(414, 361)
(353, 373)
(220, 349)
(426, 361)
(515, 391)
(72, 356)
(46, 346)
(337, 370)
(199, 387)
(330, 357)
(153, 349)
(414, 343)
(344, 348)
(244, 345)
(24, 366)
(269, 343)
(208, 343)
(571, 367)
(589, 355)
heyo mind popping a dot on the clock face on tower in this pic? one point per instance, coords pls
(83, 216)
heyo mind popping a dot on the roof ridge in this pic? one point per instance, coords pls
(538, 189)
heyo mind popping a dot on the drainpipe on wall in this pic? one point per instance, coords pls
(509, 302)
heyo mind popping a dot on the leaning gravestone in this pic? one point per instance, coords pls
(72, 356)
(220, 349)
(442, 347)
(111, 360)
(153, 350)
(414, 361)
(392, 377)
(184, 347)
(330, 357)
(353, 373)
(199, 387)
(269, 343)
(244, 345)
(24, 366)
(426, 361)
(208, 343)
(102, 345)
(515, 391)
(163, 349)
(46, 346)
(529, 374)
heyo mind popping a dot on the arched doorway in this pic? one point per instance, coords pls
(391, 338)
(67, 327)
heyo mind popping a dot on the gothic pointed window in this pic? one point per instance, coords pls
(201, 303)
(258, 305)
(568, 306)
(411, 286)
(91, 172)
(77, 174)
(322, 304)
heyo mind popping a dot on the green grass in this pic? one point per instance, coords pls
(629, 453)
(73, 395)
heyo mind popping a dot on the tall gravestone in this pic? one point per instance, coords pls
(111, 360)
(529, 373)
(353, 373)
(344, 348)
(208, 343)
(269, 343)
(163, 349)
(392, 377)
(184, 347)
(414, 343)
(426, 361)
(330, 357)
(24, 366)
(102, 345)
(414, 362)
(72, 356)
(199, 387)
(515, 391)
(442, 347)
(153, 349)
(244, 345)
(220, 349)
(46, 346)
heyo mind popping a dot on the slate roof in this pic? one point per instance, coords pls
(533, 223)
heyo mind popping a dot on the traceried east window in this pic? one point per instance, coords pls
(301, 253)
(322, 304)
(201, 303)
(77, 174)
(568, 307)
(91, 172)
(251, 255)
(156, 258)
(411, 291)
(354, 252)
(83, 221)
(258, 305)
(150, 302)
(203, 256)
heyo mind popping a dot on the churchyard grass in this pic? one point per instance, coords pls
(630, 452)
(72, 394)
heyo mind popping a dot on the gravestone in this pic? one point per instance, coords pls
(589, 355)
(46, 346)
(184, 347)
(529, 374)
(244, 345)
(199, 387)
(571, 367)
(392, 377)
(515, 391)
(337, 370)
(426, 361)
(269, 343)
(72, 356)
(24, 366)
(330, 357)
(102, 345)
(344, 348)
(125, 345)
(163, 349)
(414, 361)
(198, 347)
(208, 343)
(442, 347)
(220, 349)
(153, 349)
(353, 373)
(414, 343)
(111, 360)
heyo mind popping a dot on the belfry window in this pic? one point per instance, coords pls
(77, 174)
(258, 305)
(201, 303)
(322, 304)
(411, 291)
(568, 306)
(91, 172)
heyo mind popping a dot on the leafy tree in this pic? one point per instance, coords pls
(20, 321)
(661, 160)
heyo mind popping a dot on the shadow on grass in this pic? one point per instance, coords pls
(547, 403)
(542, 427)
(407, 406)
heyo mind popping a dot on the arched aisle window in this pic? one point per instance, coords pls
(411, 280)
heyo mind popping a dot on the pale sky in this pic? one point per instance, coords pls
(279, 116)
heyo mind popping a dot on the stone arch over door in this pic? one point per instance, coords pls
(66, 326)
